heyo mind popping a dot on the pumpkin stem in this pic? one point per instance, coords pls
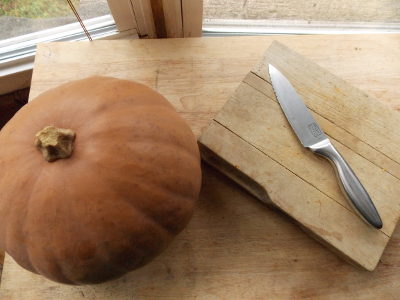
(55, 143)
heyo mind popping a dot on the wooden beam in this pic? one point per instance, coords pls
(157, 9)
(168, 18)
(192, 12)
(123, 14)
(173, 18)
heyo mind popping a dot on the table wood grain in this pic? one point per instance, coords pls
(235, 247)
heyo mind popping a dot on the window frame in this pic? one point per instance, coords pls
(166, 18)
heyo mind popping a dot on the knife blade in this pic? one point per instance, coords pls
(313, 137)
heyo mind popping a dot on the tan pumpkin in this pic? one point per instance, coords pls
(126, 191)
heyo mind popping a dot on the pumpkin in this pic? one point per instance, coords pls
(97, 177)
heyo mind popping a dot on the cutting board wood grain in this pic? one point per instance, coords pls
(251, 141)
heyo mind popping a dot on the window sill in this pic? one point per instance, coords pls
(237, 27)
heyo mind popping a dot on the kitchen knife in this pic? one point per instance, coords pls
(312, 136)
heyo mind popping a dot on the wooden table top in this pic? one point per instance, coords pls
(235, 247)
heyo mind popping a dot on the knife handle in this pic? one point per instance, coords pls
(349, 183)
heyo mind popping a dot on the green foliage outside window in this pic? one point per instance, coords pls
(36, 9)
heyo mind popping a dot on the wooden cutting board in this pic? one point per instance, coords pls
(251, 141)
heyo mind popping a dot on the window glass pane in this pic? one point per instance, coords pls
(19, 17)
(316, 10)
(359, 14)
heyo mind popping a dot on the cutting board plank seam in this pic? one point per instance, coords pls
(365, 143)
(360, 140)
(331, 121)
(258, 149)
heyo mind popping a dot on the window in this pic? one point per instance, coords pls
(24, 23)
(21, 30)
(300, 17)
